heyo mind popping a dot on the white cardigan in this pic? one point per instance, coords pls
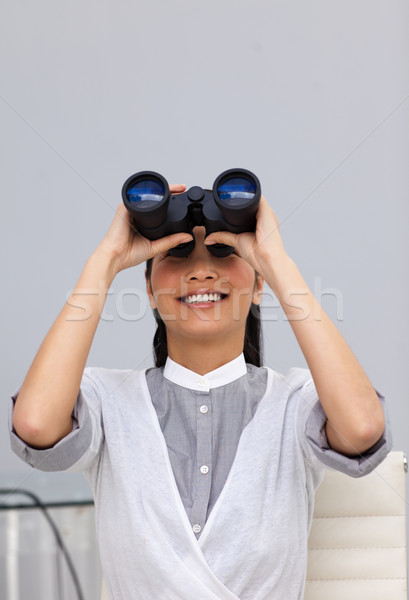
(254, 543)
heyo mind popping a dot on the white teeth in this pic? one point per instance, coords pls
(202, 298)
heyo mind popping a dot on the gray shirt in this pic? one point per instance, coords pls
(202, 430)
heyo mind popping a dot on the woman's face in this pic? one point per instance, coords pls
(176, 281)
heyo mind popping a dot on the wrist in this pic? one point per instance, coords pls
(292, 292)
(279, 271)
(105, 263)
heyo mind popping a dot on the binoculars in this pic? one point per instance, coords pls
(231, 205)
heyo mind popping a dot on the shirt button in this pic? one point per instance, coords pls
(201, 383)
(204, 409)
(196, 528)
(204, 469)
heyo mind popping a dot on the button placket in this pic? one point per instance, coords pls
(203, 478)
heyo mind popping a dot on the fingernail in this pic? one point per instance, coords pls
(186, 239)
(209, 242)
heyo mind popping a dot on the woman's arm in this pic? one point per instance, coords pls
(43, 409)
(355, 419)
(42, 412)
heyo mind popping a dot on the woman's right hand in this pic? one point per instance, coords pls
(125, 247)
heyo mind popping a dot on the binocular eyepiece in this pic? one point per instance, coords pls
(231, 205)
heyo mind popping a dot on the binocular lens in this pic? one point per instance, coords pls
(146, 190)
(235, 190)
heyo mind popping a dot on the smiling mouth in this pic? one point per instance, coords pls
(203, 299)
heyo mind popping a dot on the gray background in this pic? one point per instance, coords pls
(311, 96)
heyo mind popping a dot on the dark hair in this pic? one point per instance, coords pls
(252, 338)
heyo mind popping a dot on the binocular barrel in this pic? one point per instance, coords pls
(231, 205)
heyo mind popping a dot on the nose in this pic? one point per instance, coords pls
(202, 263)
(200, 271)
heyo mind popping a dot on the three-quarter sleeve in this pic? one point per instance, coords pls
(312, 434)
(77, 450)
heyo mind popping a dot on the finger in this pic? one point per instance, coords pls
(177, 188)
(121, 216)
(170, 241)
(264, 208)
(121, 210)
(221, 237)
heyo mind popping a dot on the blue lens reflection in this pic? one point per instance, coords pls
(237, 188)
(147, 189)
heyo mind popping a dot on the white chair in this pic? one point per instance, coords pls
(357, 543)
(104, 593)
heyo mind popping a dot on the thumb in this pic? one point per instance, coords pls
(170, 241)
(221, 237)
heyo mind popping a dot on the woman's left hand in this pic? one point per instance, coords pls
(260, 247)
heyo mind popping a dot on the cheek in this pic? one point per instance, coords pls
(156, 281)
(241, 301)
(244, 280)
(164, 288)
(246, 298)
(164, 275)
(249, 296)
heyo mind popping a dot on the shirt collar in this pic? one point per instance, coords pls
(203, 383)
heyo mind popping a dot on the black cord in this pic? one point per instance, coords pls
(60, 542)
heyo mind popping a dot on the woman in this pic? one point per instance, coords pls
(204, 467)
